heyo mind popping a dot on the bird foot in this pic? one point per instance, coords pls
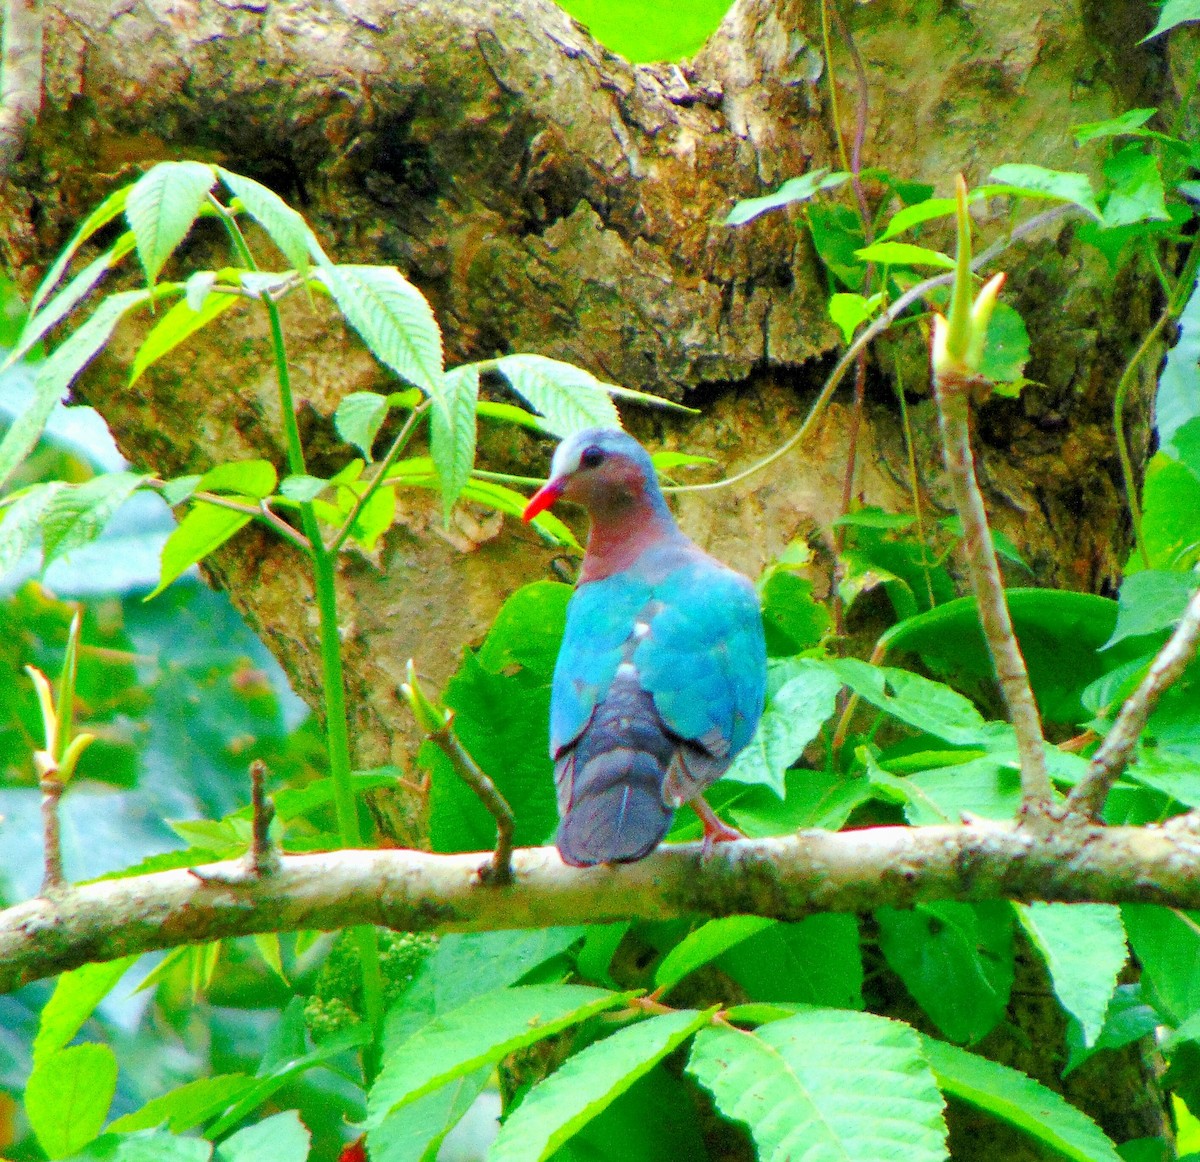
(715, 830)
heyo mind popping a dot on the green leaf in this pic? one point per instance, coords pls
(359, 417)
(1006, 348)
(1033, 181)
(924, 705)
(910, 216)
(815, 961)
(824, 1084)
(1137, 193)
(187, 1106)
(196, 289)
(528, 630)
(793, 190)
(956, 960)
(904, 254)
(792, 618)
(244, 478)
(567, 397)
(1151, 601)
(1167, 944)
(510, 413)
(181, 322)
(416, 1131)
(481, 1032)
(1177, 400)
(822, 799)
(393, 319)
(837, 234)
(588, 1083)
(1128, 122)
(1128, 1019)
(1017, 1099)
(643, 34)
(110, 208)
(68, 1096)
(75, 997)
(1170, 515)
(375, 518)
(452, 434)
(705, 944)
(281, 1138)
(57, 309)
(286, 228)
(1173, 14)
(1083, 946)
(145, 1146)
(302, 488)
(797, 708)
(57, 373)
(20, 521)
(161, 207)
(849, 311)
(203, 530)
(988, 786)
(77, 515)
(1186, 446)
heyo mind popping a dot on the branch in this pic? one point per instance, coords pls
(20, 77)
(788, 877)
(1116, 752)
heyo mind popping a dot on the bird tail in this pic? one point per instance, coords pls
(617, 813)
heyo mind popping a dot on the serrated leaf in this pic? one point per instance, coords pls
(20, 521)
(110, 208)
(826, 1083)
(161, 207)
(68, 1095)
(452, 434)
(484, 1030)
(792, 717)
(56, 374)
(359, 417)
(181, 322)
(567, 397)
(588, 1083)
(203, 530)
(1084, 948)
(1137, 193)
(284, 226)
(1013, 1097)
(955, 959)
(1167, 944)
(187, 1106)
(61, 305)
(246, 478)
(393, 319)
(1035, 181)
(77, 515)
(705, 944)
(793, 190)
(904, 254)
(415, 1131)
(281, 1138)
(75, 997)
(145, 1146)
(1151, 601)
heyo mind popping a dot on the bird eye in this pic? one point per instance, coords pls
(591, 458)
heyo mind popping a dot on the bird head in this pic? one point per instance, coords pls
(600, 468)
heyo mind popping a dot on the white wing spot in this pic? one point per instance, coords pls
(641, 628)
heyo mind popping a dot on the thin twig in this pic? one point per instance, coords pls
(263, 857)
(263, 513)
(1116, 752)
(52, 788)
(953, 393)
(499, 871)
(20, 77)
(398, 446)
(884, 320)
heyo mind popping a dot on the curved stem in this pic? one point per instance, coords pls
(881, 324)
(834, 112)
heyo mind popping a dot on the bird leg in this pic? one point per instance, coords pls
(715, 831)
